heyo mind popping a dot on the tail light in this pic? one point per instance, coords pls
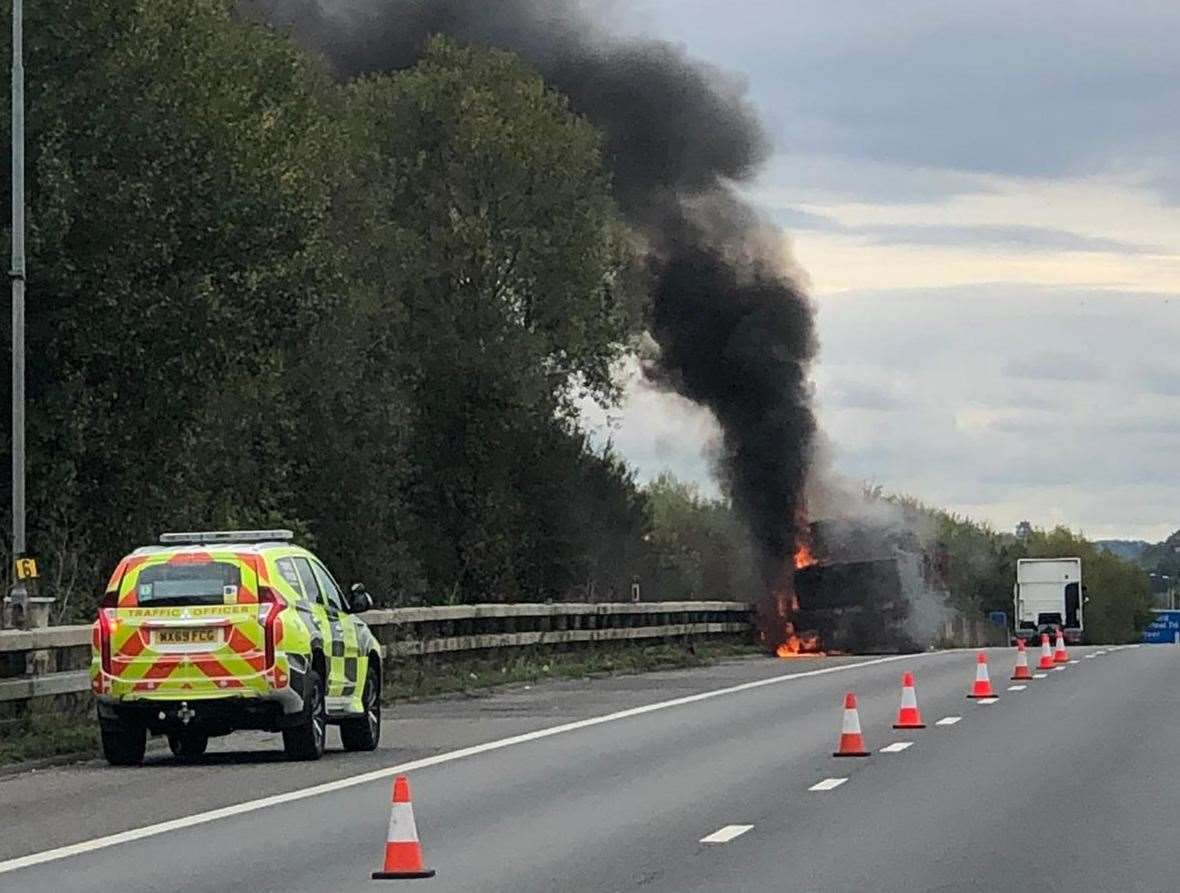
(269, 607)
(107, 624)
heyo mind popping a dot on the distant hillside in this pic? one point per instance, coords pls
(1131, 550)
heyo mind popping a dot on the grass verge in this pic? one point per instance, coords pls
(433, 676)
(42, 736)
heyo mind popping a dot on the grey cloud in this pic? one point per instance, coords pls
(1162, 380)
(866, 395)
(814, 177)
(1055, 366)
(1010, 236)
(800, 220)
(1008, 87)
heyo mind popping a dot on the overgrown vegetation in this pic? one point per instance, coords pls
(48, 735)
(428, 678)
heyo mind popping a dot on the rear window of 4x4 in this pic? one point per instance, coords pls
(196, 583)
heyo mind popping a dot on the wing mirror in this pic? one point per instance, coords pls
(359, 600)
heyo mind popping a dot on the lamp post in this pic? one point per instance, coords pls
(19, 597)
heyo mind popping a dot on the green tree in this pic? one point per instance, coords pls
(498, 271)
(699, 548)
(180, 179)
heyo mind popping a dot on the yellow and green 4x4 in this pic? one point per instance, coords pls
(208, 633)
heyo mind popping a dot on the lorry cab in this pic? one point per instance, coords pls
(1049, 596)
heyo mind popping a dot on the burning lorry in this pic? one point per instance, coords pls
(856, 586)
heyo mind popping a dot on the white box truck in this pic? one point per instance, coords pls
(1048, 596)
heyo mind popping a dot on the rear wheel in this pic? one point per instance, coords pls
(364, 732)
(187, 745)
(306, 740)
(123, 744)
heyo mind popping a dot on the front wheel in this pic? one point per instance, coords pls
(306, 740)
(364, 732)
(123, 744)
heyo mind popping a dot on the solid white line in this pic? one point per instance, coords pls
(897, 746)
(987, 700)
(1040, 675)
(1017, 687)
(726, 834)
(225, 812)
(948, 720)
(827, 784)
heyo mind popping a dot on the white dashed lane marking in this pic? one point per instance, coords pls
(1039, 675)
(948, 720)
(897, 747)
(1017, 687)
(1075, 661)
(987, 700)
(827, 784)
(726, 834)
(1058, 669)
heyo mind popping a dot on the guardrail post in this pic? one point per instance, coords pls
(40, 662)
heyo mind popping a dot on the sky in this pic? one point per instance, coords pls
(985, 199)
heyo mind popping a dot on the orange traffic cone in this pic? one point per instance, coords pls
(983, 684)
(1046, 654)
(403, 853)
(1059, 654)
(852, 743)
(908, 716)
(1021, 671)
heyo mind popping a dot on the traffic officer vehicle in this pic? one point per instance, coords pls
(211, 632)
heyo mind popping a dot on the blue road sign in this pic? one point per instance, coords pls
(1164, 629)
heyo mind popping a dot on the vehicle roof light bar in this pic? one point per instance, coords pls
(226, 536)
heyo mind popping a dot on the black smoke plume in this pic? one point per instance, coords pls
(734, 331)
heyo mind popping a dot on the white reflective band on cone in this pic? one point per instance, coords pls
(401, 824)
(908, 697)
(851, 723)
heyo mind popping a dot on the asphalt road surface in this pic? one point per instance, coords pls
(1069, 784)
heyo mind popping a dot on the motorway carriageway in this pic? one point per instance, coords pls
(712, 779)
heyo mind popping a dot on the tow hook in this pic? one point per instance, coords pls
(185, 714)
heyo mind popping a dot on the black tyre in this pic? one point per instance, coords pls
(187, 745)
(364, 732)
(306, 740)
(123, 744)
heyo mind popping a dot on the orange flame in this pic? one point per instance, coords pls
(803, 556)
(806, 645)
